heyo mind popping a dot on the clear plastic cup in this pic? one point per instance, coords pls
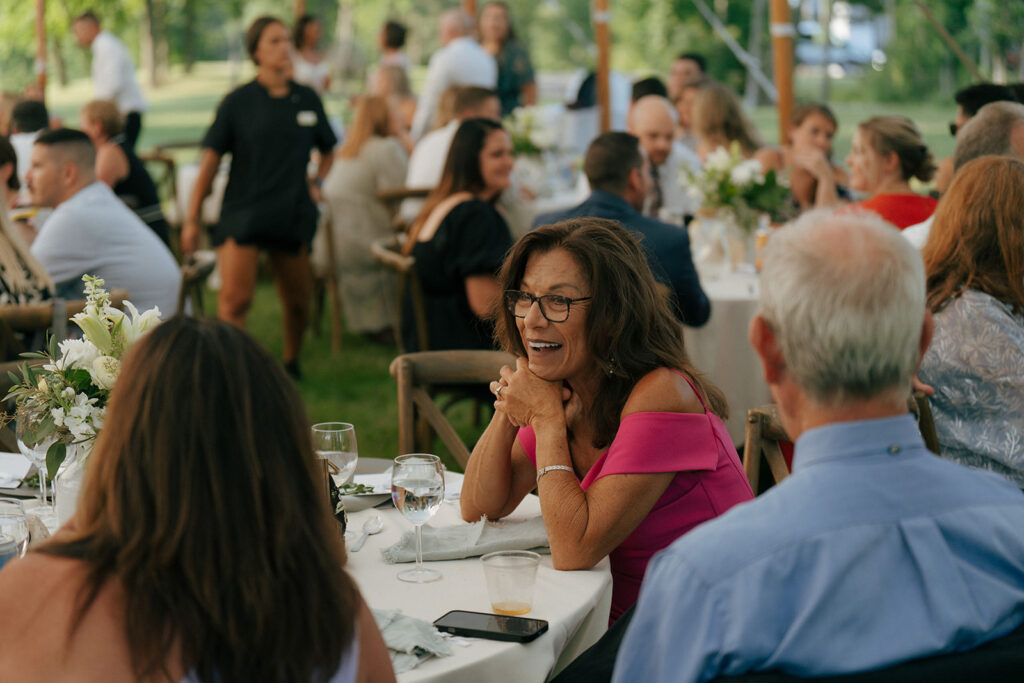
(511, 575)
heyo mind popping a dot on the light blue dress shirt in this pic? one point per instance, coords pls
(872, 552)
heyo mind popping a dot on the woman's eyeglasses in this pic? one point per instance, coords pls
(554, 307)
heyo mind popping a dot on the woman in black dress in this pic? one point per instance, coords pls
(459, 239)
(269, 126)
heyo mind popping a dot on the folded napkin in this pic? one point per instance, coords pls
(470, 540)
(409, 640)
(13, 468)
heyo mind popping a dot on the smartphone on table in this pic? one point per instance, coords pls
(491, 626)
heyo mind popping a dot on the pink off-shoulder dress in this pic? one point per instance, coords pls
(709, 480)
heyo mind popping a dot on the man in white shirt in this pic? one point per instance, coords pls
(91, 231)
(28, 119)
(427, 160)
(651, 120)
(113, 73)
(997, 129)
(461, 61)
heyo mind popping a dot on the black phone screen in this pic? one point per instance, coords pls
(481, 625)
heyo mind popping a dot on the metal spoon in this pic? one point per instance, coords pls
(370, 526)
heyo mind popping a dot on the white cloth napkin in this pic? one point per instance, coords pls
(409, 640)
(13, 468)
(470, 540)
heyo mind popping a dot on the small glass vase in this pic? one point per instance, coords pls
(67, 484)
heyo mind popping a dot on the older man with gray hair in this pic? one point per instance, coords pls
(873, 551)
(996, 130)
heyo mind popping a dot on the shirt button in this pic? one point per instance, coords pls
(894, 449)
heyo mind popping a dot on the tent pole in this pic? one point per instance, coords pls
(601, 18)
(40, 65)
(469, 7)
(782, 31)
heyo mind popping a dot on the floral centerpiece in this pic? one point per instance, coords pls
(64, 401)
(529, 132)
(727, 183)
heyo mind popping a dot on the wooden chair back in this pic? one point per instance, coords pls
(389, 254)
(392, 199)
(417, 374)
(764, 431)
(195, 270)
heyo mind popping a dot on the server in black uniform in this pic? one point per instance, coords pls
(269, 126)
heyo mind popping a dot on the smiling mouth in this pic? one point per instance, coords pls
(543, 346)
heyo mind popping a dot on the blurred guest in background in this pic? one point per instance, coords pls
(172, 567)
(813, 179)
(684, 113)
(969, 102)
(688, 68)
(651, 121)
(392, 40)
(719, 120)
(651, 85)
(371, 159)
(119, 168)
(10, 185)
(7, 102)
(308, 64)
(113, 73)
(887, 151)
(459, 239)
(516, 85)
(460, 61)
(29, 118)
(392, 83)
(974, 260)
(619, 177)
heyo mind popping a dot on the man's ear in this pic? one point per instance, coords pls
(765, 344)
(69, 173)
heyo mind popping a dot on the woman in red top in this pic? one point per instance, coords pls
(887, 152)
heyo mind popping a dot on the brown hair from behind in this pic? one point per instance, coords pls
(630, 329)
(718, 116)
(899, 135)
(106, 114)
(204, 502)
(372, 119)
(977, 238)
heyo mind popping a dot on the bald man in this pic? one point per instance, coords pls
(461, 61)
(652, 120)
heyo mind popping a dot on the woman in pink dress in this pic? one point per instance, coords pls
(603, 414)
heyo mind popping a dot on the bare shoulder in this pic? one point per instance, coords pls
(770, 157)
(662, 391)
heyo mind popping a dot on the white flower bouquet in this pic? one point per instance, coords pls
(728, 182)
(64, 401)
(530, 132)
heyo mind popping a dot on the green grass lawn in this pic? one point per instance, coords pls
(354, 386)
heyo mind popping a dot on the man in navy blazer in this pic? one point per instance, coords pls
(619, 180)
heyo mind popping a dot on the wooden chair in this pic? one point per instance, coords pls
(392, 198)
(418, 374)
(388, 253)
(764, 431)
(195, 270)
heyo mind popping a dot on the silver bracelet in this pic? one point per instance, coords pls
(550, 468)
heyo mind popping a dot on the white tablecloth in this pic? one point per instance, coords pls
(576, 605)
(721, 351)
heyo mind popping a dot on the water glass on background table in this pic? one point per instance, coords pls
(35, 454)
(417, 489)
(13, 530)
(335, 442)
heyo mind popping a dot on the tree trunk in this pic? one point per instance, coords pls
(189, 37)
(59, 61)
(751, 94)
(150, 38)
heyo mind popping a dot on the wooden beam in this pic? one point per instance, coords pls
(469, 7)
(944, 34)
(601, 17)
(300, 8)
(783, 32)
(41, 46)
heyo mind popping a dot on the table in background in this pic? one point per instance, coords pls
(721, 351)
(575, 604)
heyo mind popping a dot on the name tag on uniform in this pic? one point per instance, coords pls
(307, 118)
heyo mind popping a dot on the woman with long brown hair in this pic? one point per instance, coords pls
(371, 160)
(603, 414)
(203, 547)
(459, 239)
(719, 121)
(974, 262)
(516, 84)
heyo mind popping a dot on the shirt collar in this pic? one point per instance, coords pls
(839, 440)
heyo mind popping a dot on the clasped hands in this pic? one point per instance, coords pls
(526, 399)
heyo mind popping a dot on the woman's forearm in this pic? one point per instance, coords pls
(208, 163)
(487, 486)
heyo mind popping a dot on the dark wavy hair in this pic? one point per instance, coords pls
(205, 503)
(461, 170)
(299, 32)
(630, 326)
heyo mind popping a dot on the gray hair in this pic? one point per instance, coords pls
(457, 22)
(844, 295)
(989, 132)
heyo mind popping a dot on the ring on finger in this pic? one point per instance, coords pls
(497, 392)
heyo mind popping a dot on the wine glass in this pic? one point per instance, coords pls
(13, 530)
(335, 442)
(35, 454)
(417, 488)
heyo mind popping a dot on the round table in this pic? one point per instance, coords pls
(575, 604)
(720, 348)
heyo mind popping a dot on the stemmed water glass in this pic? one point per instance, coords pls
(35, 454)
(417, 488)
(13, 529)
(335, 442)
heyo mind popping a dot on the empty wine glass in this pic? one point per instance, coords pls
(13, 530)
(335, 442)
(417, 488)
(35, 454)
